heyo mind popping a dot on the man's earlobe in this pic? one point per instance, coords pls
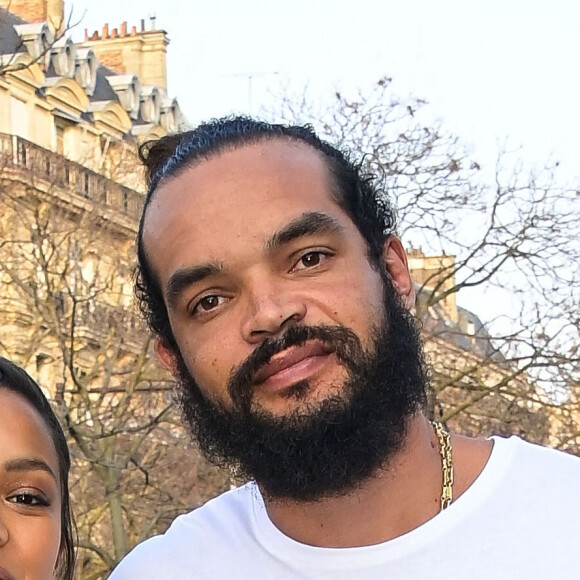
(165, 355)
(397, 266)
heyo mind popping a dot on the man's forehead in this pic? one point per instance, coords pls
(271, 154)
(219, 177)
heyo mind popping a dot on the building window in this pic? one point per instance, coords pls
(59, 139)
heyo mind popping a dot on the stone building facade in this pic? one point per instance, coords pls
(71, 118)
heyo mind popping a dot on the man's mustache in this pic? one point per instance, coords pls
(339, 339)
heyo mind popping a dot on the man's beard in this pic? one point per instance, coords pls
(323, 448)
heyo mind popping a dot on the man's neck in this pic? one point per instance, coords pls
(397, 499)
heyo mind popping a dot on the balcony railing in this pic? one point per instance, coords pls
(60, 172)
(94, 318)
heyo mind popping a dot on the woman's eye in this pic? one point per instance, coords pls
(28, 499)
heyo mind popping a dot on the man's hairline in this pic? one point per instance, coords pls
(231, 146)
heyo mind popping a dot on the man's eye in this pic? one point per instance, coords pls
(28, 499)
(311, 260)
(208, 303)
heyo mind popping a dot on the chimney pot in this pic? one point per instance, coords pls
(124, 28)
(142, 24)
(105, 31)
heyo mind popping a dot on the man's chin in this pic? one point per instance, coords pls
(299, 399)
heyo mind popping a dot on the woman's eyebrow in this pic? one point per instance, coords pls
(28, 464)
(308, 224)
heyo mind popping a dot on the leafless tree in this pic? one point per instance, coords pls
(509, 233)
(66, 256)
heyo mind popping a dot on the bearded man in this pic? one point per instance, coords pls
(279, 297)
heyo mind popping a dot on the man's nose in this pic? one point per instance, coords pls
(271, 307)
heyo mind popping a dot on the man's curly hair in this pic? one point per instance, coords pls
(354, 189)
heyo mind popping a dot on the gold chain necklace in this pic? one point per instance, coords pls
(446, 462)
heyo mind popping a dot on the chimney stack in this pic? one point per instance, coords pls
(142, 53)
(49, 11)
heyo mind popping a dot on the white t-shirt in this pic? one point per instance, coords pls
(520, 519)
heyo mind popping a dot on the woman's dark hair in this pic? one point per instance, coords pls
(355, 191)
(16, 380)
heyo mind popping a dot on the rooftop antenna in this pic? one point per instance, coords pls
(250, 76)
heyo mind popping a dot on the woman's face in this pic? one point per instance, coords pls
(30, 493)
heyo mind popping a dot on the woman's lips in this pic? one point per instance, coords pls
(5, 575)
(292, 365)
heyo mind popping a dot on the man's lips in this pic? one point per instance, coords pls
(291, 362)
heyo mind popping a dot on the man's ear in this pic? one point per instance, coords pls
(395, 259)
(165, 355)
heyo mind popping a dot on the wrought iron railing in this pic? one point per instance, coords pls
(60, 172)
(98, 318)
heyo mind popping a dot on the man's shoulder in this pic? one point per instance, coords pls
(535, 456)
(531, 468)
(191, 537)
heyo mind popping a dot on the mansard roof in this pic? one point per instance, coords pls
(102, 96)
(103, 90)
(10, 41)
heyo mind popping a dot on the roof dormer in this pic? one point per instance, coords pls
(150, 104)
(86, 69)
(128, 89)
(63, 57)
(37, 39)
(170, 115)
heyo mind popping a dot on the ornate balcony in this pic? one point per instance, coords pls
(50, 172)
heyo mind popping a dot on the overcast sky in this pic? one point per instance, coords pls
(490, 70)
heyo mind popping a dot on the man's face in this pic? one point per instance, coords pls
(245, 245)
(294, 357)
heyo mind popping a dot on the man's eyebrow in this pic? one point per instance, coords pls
(185, 277)
(308, 224)
(28, 464)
